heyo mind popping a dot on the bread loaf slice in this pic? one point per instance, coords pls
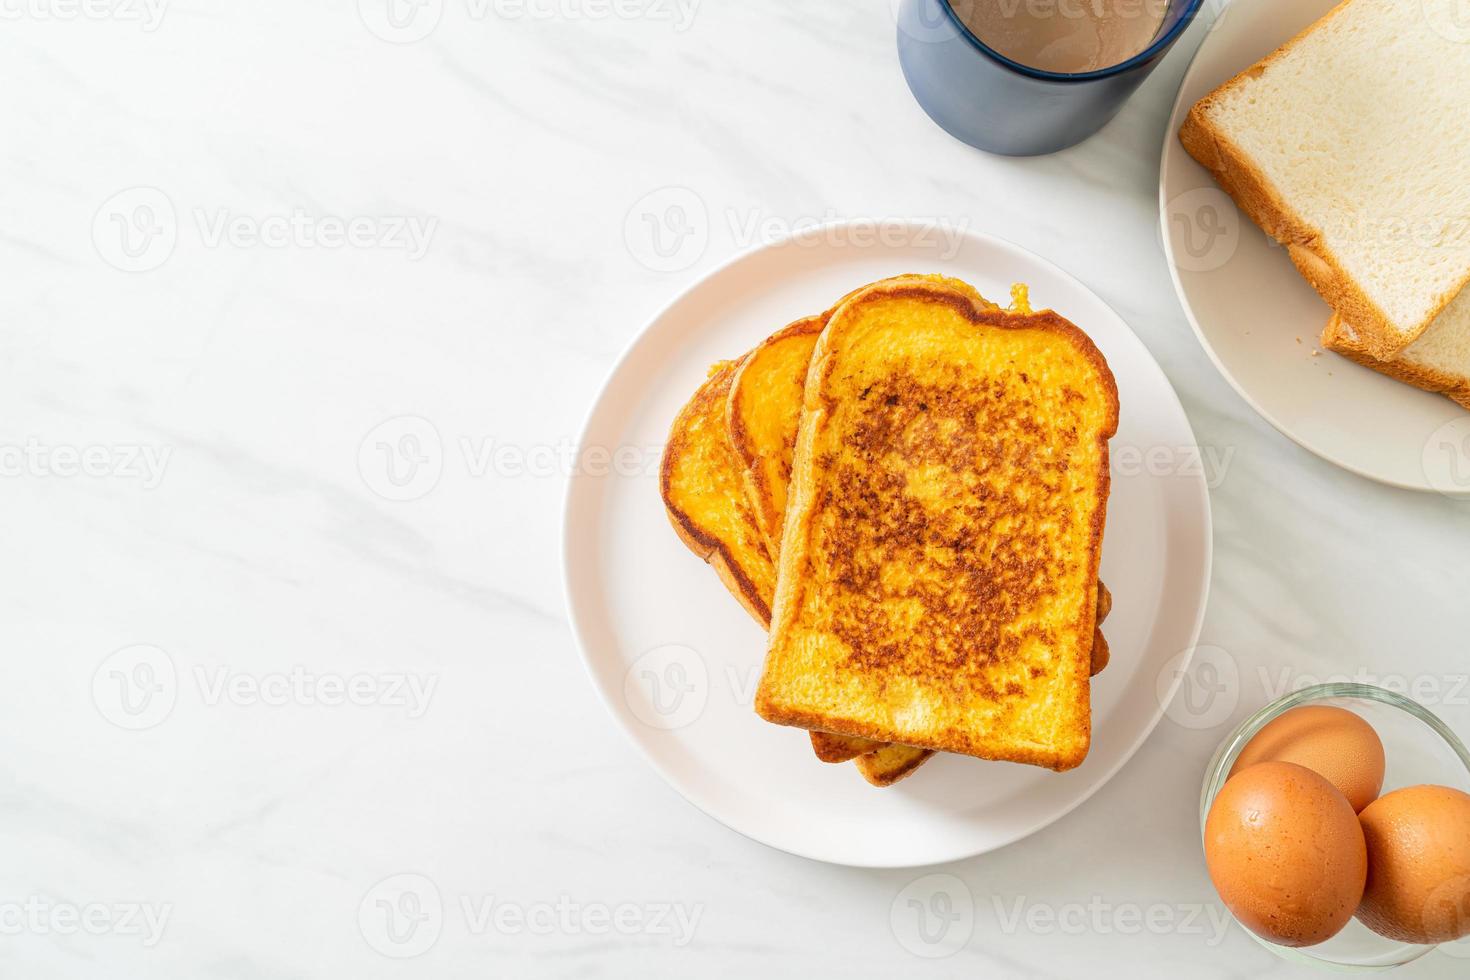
(937, 583)
(1349, 146)
(1439, 361)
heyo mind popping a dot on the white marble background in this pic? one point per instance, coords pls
(184, 493)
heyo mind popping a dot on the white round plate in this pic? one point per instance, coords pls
(676, 659)
(1259, 320)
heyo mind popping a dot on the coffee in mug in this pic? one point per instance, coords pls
(1065, 36)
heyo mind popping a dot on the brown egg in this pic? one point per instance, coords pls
(1418, 865)
(1333, 742)
(1286, 853)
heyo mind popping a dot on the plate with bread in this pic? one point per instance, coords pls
(892, 572)
(1315, 207)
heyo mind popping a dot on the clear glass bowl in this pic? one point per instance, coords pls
(1419, 748)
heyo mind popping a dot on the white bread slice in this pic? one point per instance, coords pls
(1439, 361)
(1349, 145)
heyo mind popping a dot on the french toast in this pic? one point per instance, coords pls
(762, 413)
(765, 407)
(891, 763)
(937, 577)
(701, 483)
(704, 495)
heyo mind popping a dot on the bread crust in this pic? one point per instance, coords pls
(841, 748)
(1339, 341)
(1249, 187)
(737, 579)
(788, 585)
(742, 441)
(892, 764)
(880, 764)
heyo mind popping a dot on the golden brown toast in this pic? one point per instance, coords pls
(937, 579)
(892, 763)
(711, 522)
(765, 407)
(763, 412)
(704, 496)
(702, 485)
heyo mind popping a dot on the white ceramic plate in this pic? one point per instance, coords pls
(676, 659)
(1259, 320)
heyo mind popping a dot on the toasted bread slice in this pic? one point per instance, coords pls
(1378, 228)
(762, 414)
(891, 763)
(1439, 361)
(704, 496)
(765, 407)
(937, 582)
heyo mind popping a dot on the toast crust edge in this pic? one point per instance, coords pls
(1335, 339)
(1249, 187)
(1060, 759)
(892, 764)
(757, 486)
(834, 749)
(706, 546)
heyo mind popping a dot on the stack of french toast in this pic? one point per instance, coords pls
(909, 492)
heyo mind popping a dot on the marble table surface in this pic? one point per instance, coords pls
(302, 304)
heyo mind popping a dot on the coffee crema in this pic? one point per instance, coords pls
(1066, 36)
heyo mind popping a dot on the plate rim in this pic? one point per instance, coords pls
(1169, 152)
(1205, 531)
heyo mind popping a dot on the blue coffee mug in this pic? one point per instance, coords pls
(987, 100)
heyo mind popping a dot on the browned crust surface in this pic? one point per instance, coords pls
(892, 764)
(1337, 340)
(770, 706)
(1259, 198)
(841, 748)
(1102, 654)
(758, 486)
(737, 577)
(700, 540)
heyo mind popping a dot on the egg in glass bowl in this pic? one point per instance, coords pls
(1402, 800)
